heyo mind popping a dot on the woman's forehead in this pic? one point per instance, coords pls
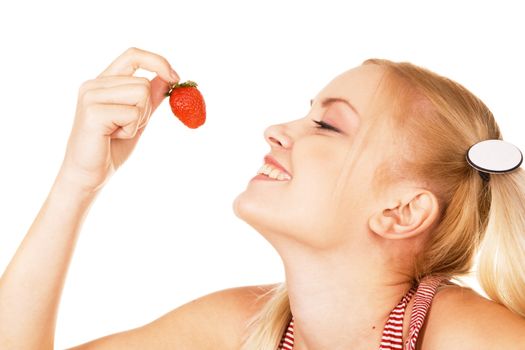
(358, 85)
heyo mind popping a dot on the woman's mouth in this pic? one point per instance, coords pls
(272, 172)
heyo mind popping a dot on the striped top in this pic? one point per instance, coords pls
(392, 337)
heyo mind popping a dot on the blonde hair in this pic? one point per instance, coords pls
(440, 119)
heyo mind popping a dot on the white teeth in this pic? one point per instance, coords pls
(267, 169)
(273, 173)
(285, 176)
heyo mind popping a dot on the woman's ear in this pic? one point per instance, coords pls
(406, 216)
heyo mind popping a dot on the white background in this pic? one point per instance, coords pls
(163, 232)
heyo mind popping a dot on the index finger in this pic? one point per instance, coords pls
(134, 58)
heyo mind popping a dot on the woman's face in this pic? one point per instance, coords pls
(329, 194)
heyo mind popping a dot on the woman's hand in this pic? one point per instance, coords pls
(112, 112)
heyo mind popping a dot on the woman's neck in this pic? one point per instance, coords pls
(341, 301)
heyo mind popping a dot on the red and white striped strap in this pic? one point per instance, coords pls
(392, 337)
(287, 339)
(422, 301)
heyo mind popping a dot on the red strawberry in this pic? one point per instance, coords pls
(187, 103)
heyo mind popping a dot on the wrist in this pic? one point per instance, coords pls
(71, 185)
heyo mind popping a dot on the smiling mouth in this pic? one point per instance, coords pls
(264, 177)
(271, 172)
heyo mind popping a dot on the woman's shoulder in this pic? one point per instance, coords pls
(460, 318)
(212, 321)
(224, 314)
(240, 304)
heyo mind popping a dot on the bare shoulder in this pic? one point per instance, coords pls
(213, 321)
(460, 318)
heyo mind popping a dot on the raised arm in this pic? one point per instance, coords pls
(112, 112)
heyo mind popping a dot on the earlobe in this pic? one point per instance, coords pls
(407, 217)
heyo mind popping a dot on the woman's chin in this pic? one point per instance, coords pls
(249, 209)
(243, 207)
(235, 207)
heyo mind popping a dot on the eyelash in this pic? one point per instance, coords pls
(323, 125)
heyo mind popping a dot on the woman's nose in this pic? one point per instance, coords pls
(276, 135)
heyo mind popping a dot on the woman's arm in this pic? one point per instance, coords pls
(112, 112)
(31, 286)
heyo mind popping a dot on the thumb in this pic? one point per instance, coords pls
(158, 90)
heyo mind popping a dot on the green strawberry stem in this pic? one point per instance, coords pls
(173, 86)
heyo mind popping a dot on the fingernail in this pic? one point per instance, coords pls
(174, 75)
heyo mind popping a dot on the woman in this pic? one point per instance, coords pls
(372, 207)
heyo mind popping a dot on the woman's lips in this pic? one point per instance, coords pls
(268, 159)
(265, 178)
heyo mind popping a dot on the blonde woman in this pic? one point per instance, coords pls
(370, 202)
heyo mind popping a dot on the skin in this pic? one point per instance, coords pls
(347, 253)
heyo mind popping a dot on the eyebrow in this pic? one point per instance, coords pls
(329, 100)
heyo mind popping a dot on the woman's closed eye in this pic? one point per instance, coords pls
(322, 125)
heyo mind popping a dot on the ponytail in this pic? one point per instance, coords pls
(501, 265)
